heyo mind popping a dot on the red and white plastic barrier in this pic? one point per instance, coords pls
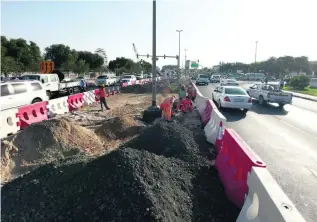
(266, 201)
(243, 174)
(75, 101)
(58, 106)
(33, 113)
(9, 122)
(233, 163)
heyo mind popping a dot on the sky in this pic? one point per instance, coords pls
(213, 30)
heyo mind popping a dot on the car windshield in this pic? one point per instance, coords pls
(30, 77)
(203, 76)
(102, 77)
(231, 80)
(235, 91)
(127, 77)
(216, 77)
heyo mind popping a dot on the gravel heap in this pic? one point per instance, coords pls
(159, 176)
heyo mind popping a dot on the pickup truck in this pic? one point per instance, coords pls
(54, 83)
(270, 93)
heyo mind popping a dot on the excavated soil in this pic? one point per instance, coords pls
(158, 176)
(118, 128)
(45, 142)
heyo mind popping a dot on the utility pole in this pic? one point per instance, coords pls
(185, 60)
(154, 56)
(179, 51)
(256, 50)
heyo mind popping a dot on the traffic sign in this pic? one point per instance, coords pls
(194, 65)
(47, 67)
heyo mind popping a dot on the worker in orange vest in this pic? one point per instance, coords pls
(166, 108)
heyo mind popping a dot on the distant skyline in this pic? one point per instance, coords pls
(214, 30)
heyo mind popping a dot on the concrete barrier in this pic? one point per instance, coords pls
(266, 201)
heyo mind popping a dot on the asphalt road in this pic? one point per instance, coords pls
(286, 139)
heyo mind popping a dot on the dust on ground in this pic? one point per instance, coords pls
(160, 175)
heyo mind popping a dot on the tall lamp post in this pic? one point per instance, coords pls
(154, 56)
(179, 51)
(256, 51)
(185, 60)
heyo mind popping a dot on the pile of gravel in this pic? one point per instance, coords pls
(159, 177)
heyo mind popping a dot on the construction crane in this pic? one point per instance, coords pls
(137, 57)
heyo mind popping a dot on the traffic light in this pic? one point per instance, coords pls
(137, 56)
(147, 55)
(177, 57)
(198, 60)
(164, 56)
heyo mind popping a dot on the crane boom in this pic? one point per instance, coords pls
(137, 59)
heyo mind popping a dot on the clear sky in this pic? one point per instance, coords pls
(214, 30)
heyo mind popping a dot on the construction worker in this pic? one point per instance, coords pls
(192, 92)
(102, 97)
(166, 108)
(182, 95)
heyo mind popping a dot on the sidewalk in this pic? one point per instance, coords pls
(303, 96)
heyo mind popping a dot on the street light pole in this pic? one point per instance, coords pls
(256, 49)
(185, 61)
(179, 51)
(154, 56)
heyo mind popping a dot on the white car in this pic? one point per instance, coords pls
(233, 97)
(130, 79)
(18, 93)
(229, 82)
(202, 80)
(107, 79)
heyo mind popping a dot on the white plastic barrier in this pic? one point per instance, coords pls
(212, 127)
(8, 122)
(58, 106)
(266, 201)
(200, 103)
(89, 98)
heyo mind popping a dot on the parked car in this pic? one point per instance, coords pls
(202, 80)
(18, 93)
(233, 97)
(228, 82)
(130, 79)
(270, 93)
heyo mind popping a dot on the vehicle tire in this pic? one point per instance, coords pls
(219, 105)
(261, 100)
(281, 105)
(36, 100)
(70, 91)
(49, 94)
(245, 110)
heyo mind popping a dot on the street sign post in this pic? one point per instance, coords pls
(47, 67)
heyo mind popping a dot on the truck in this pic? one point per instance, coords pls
(107, 79)
(54, 83)
(270, 93)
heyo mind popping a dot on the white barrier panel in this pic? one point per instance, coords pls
(89, 98)
(212, 127)
(266, 201)
(58, 106)
(200, 103)
(8, 122)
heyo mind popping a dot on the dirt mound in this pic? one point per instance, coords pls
(118, 128)
(50, 140)
(169, 139)
(128, 184)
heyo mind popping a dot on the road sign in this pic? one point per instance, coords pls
(194, 65)
(47, 67)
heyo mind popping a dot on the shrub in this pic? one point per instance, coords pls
(299, 82)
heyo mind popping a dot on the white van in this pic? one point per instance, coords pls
(18, 93)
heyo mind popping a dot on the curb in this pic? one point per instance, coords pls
(303, 97)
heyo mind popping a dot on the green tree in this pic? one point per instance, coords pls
(81, 67)
(121, 64)
(94, 60)
(59, 54)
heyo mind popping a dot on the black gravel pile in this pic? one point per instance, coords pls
(151, 180)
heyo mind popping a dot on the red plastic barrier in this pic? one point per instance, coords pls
(125, 84)
(33, 113)
(207, 112)
(234, 162)
(75, 101)
(96, 92)
(133, 82)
